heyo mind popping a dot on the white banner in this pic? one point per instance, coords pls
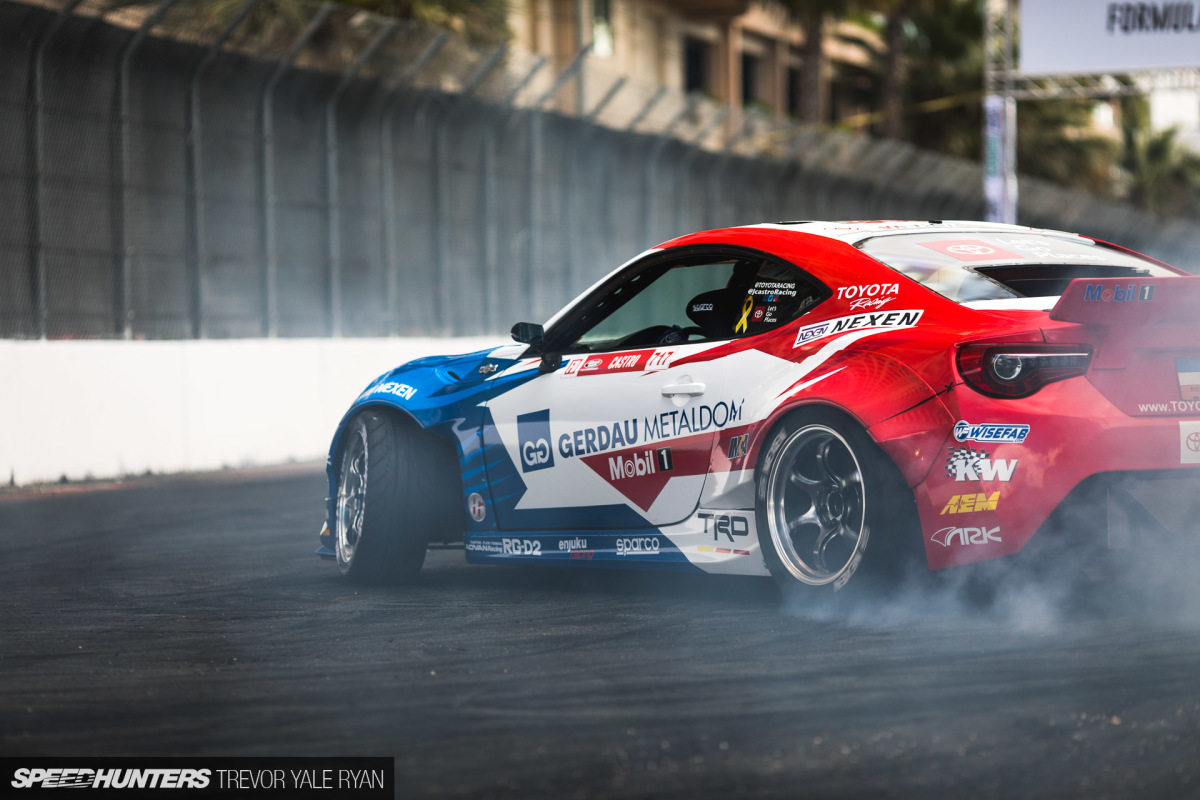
(1083, 37)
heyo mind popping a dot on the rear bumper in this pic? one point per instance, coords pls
(1084, 466)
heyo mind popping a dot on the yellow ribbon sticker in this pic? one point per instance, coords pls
(747, 307)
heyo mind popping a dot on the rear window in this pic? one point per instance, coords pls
(968, 266)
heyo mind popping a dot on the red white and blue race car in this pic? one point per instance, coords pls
(803, 400)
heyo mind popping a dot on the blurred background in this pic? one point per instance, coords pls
(208, 203)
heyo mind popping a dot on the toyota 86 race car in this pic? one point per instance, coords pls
(810, 401)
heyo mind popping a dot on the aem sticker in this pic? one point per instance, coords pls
(999, 433)
(855, 322)
(968, 503)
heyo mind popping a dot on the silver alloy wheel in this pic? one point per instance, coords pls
(816, 507)
(351, 496)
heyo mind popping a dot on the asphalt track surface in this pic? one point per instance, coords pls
(187, 616)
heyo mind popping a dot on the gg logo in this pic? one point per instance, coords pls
(534, 453)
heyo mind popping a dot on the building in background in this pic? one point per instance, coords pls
(747, 55)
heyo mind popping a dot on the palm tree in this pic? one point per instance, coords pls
(814, 89)
(1162, 176)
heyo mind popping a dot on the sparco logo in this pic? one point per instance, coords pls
(533, 437)
(64, 778)
(948, 536)
(647, 545)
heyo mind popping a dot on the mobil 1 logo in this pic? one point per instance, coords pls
(533, 440)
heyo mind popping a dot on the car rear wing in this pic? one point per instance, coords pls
(1124, 302)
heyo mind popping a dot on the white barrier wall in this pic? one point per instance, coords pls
(104, 409)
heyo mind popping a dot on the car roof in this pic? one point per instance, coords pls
(854, 231)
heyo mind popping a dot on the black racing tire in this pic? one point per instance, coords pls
(382, 516)
(830, 505)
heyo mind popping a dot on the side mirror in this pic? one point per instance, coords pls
(529, 333)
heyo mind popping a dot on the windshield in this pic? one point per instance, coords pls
(974, 266)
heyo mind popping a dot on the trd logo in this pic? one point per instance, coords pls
(729, 524)
(533, 437)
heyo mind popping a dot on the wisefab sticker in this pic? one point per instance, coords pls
(990, 432)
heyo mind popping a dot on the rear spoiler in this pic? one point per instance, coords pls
(1111, 301)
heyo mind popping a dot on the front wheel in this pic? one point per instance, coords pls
(381, 523)
(828, 501)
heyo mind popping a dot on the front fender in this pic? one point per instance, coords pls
(443, 395)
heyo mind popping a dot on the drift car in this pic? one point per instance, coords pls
(795, 400)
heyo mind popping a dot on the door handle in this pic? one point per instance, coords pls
(689, 389)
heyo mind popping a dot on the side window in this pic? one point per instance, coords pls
(695, 299)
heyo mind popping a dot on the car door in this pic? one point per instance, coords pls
(614, 440)
(620, 434)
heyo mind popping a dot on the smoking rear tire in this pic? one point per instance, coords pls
(382, 517)
(831, 505)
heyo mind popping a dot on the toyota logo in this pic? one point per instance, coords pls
(1193, 442)
(971, 249)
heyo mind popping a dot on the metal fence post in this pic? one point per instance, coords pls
(37, 173)
(267, 177)
(534, 196)
(696, 148)
(332, 207)
(391, 257)
(194, 170)
(650, 174)
(573, 156)
(440, 185)
(491, 239)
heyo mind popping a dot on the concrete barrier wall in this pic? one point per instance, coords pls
(103, 409)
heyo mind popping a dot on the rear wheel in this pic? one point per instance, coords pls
(382, 526)
(828, 502)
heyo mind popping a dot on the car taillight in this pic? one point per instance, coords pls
(1019, 370)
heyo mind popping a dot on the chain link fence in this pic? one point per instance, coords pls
(278, 168)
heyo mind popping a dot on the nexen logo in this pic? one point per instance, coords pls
(533, 441)
(947, 536)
